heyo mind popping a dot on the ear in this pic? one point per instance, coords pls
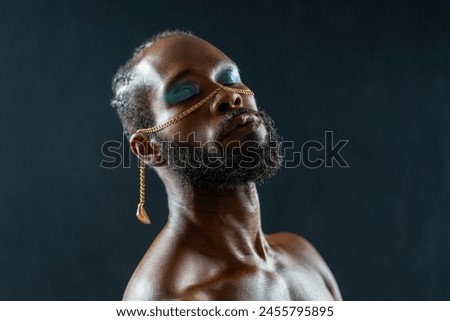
(146, 149)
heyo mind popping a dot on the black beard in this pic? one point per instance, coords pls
(213, 166)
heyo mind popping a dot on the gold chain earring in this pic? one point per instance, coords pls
(141, 214)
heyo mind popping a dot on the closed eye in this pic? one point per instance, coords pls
(182, 93)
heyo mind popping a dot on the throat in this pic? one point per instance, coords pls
(219, 223)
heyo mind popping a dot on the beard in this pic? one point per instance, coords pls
(215, 166)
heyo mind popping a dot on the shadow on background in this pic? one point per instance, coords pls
(375, 73)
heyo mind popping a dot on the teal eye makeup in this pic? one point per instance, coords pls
(181, 92)
(229, 77)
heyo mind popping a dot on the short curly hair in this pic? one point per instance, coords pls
(130, 99)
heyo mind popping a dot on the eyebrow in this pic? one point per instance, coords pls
(182, 74)
(228, 66)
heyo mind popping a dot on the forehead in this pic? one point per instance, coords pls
(168, 56)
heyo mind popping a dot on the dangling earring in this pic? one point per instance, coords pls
(141, 214)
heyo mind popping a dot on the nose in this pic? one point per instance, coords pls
(226, 100)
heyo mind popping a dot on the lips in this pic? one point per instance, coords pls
(241, 121)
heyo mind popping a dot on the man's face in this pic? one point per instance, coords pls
(179, 71)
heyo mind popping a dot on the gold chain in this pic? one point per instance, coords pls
(180, 116)
(141, 213)
(141, 182)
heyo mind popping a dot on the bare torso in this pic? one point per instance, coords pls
(291, 270)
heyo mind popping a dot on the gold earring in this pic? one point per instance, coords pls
(141, 214)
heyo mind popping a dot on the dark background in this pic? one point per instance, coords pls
(373, 72)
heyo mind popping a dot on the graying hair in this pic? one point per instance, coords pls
(130, 99)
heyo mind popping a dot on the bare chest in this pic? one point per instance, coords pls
(259, 284)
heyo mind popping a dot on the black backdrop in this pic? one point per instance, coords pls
(373, 72)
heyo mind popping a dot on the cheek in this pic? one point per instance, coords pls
(200, 133)
(160, 113)
(190, 130)
(250, 102)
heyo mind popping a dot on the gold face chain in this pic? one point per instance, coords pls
(141, 214)
(180, 116)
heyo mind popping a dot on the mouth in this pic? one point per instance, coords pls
(241, 123)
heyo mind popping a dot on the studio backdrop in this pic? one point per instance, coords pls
(372, 74)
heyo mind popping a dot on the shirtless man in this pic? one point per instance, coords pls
(212, 247)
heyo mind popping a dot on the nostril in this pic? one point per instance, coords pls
(224, 107)
(238, 101)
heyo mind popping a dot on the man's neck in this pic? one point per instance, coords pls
(224, 223)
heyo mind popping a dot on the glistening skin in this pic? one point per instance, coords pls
(212, 246)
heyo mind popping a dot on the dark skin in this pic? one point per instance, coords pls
(213, 247)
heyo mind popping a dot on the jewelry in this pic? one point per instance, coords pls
(180, 116)
(141, 214)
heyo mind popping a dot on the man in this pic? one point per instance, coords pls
(197, 125)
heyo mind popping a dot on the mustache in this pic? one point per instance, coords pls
(233, 114)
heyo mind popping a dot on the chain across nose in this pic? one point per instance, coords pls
(180, 116)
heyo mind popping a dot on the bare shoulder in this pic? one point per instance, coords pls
(300, 249)
(154, 277)
(165, 272)
(297, 246)
(145, 285)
